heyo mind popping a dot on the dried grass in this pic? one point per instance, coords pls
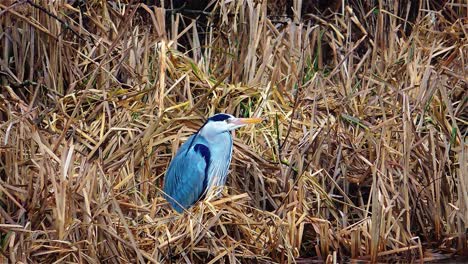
(363, 156)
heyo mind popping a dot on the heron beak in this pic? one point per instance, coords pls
(246, 121)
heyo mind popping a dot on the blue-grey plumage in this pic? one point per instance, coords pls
(202, 162)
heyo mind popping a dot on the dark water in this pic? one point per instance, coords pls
(457, 260)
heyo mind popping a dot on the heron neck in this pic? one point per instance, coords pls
(218, 138)
(220, 147)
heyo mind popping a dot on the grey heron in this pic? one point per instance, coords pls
(202, 162)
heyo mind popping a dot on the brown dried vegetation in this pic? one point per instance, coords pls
(363, 156)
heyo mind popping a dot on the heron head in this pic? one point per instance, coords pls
(221, 123)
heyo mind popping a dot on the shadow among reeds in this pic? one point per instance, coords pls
(363, 155)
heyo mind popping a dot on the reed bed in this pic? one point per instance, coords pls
(362, 156)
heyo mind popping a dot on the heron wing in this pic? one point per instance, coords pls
(186, 178)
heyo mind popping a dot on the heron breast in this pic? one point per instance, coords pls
(221, 152)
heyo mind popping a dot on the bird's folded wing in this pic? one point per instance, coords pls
(186, 178)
